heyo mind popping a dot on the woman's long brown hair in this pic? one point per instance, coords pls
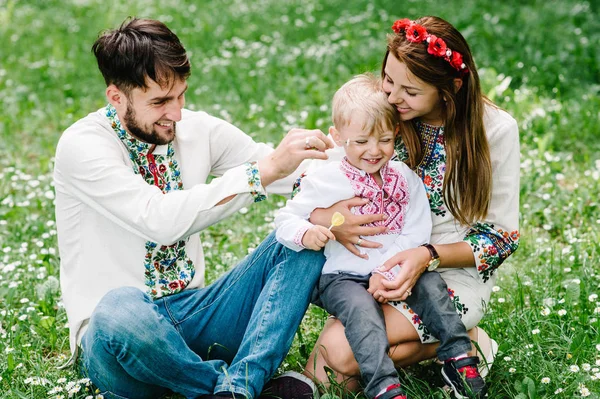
(467, 185)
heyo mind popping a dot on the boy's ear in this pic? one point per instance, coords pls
(334, 134)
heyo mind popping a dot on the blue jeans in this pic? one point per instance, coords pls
(430, 300)
(230, 336)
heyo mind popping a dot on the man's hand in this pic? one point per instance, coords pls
(296, 146)
(316, 237)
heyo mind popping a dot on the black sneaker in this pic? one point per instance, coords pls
(463, 377)
(290, 385)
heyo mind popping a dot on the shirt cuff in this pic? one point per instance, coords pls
(256, 189)
(299, 235)
(490, 247)
(389, 274)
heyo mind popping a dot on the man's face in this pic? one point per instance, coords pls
(151, 114)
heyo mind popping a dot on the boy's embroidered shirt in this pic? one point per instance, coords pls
(391, 198)
(496, 238)
(401, 197)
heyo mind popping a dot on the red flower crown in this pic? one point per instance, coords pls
(436, 46)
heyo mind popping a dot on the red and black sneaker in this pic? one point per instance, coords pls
(463, 377)
(392, 392)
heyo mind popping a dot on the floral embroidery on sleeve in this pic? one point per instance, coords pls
(297, 185)
(491, 247)
(254, 181)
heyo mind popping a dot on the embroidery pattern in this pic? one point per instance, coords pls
(391, 199)
(490, 246)
(168, 269)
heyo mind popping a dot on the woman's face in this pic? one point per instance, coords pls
(412, 97)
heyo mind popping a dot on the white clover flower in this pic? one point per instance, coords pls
(23, 317)
(559, 390)
(545, 380)
(507, 358)
(501, 300)
(545, 312)
(598, 349)
(535, 331)
(61, 380)
(495, 288)
(586, 367)
(512, 370)
(574, 368)
(562, 312)
(55, 390)
(550, 302)
(74, 390)
(8, 349)
(593, 297)
(584, 391)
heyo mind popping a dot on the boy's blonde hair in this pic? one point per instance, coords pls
(363, 95)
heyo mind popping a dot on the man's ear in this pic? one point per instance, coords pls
(116, 97)
(457, 84)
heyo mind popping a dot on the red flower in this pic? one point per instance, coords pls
(401, 24)
(427, 180)
(492, 250)
(162, 168)
(415, 33)
(173, 285)
(456, 60)
(437, 46)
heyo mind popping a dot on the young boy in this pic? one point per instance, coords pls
(365, 124)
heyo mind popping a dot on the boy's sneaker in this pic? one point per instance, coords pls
(290, 385)
(392, 392)
(463, 377)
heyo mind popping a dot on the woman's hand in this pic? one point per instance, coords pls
(349, 233)
(413, 263)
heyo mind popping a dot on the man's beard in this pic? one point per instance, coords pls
(151, 137)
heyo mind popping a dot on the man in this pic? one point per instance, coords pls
(131, 196)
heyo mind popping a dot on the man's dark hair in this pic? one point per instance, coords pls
(140, 49)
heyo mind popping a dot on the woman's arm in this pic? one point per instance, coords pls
(414, 262)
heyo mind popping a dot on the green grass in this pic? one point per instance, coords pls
(268, 65)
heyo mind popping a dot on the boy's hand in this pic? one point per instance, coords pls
(316, 237)
(376, 287)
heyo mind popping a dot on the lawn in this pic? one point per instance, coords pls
(269, 65)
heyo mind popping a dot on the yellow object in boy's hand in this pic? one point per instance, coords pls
(337, 220)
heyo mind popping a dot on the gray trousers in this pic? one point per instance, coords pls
(345, 296)
(431, 302)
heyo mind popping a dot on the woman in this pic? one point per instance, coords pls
(466, 151)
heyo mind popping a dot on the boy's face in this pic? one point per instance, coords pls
(368, 152)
